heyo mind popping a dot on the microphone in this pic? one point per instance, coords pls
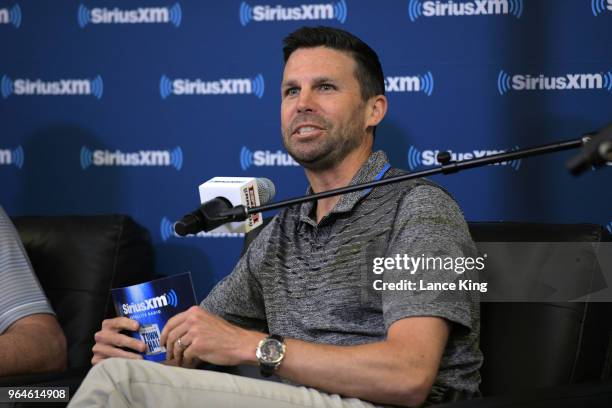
(220, 194)
(597, 151)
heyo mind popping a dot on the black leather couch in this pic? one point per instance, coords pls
(78, 259)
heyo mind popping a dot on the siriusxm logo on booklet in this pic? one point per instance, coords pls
(12, 157)
(142, 15)
(143, 158)
(261, 13)
(420, 8)
(234, 86)
(260, 158)
(520, 82)
(11, 16)
(600, 6)
(417, 83)
(166, 228)
(418, 158)
(61, 87)
(167, 299)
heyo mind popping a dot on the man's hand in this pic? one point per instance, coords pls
(207, 337)
(109, 340)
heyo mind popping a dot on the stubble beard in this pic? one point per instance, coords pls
(329, 150)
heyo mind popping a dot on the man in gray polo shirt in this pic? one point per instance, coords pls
(302, 302)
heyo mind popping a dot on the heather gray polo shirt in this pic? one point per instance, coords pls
(313, 282)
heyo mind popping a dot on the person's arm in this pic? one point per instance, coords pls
(398, 371)
(33, 344)
(31, 339)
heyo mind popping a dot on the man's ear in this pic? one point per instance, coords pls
(377, 109)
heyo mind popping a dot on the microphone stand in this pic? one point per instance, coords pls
(240, 212)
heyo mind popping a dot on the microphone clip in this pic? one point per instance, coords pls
(206, 218)
(448, 164)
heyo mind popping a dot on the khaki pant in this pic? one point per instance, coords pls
(118, 382)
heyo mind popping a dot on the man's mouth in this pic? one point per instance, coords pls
(307, 130)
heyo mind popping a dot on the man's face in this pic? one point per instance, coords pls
(322, 113)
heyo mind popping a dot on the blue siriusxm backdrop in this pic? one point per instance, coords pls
(125, 107)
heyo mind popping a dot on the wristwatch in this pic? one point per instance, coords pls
(270, 353)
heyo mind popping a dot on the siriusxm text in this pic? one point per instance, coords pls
(402, 84)
(6, 156)
(472, 8)
(268, 158)
(220, 87)
(303, 12)
(135, 16)
(569, 81)
(203, 234)
(429, 156)
(141, 158)
(147, 304)
(61, 87)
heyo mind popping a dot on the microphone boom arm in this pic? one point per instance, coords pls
(240, 212)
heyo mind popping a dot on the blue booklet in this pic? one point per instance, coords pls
(152, 304)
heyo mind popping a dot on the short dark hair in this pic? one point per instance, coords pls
(368, 70)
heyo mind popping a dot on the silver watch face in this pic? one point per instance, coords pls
(270, 351)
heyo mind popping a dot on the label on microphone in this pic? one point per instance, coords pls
(239, 191)
(152, 304)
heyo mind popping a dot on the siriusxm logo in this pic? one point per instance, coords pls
(260, 158)
(13, 157)
(172, 158)
(142, 15)
(420, 8)
(60, 87)
(166, 228)
(236, 86)
(418, 83)
(11, 16)
(167, 299)
(519, 82)
(325, 11)
(599, 6)
(418, 158)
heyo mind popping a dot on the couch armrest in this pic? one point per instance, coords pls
(593, 395)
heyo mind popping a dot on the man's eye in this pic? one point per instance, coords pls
(326, 87)
(291, 91)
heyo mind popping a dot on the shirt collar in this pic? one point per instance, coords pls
(368, 172)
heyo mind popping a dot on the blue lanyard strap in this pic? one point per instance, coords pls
(379, 176)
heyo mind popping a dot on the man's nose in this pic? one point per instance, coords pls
(305, 101)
